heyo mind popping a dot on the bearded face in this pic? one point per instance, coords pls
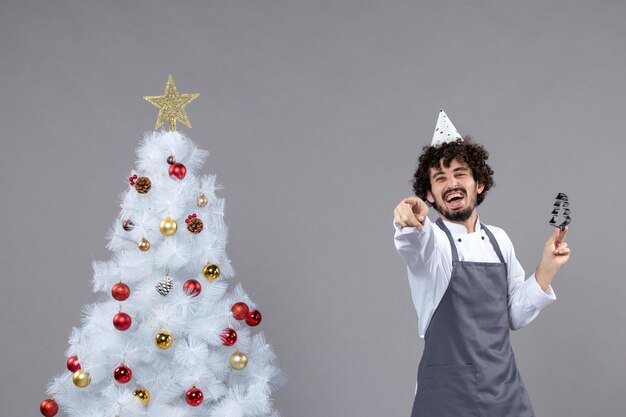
(453, 190)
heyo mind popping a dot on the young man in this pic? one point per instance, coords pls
(467, 286)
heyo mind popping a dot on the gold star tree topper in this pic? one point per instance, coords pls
(171, 105)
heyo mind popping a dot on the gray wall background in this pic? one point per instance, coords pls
(314, 113)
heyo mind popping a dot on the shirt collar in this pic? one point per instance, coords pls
(458, 229)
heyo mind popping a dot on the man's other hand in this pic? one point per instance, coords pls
(556, 253)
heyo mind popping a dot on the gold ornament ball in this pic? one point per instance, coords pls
(144, 245)
(168, 226)
(81, 378)
(238, 360)
(211, 271)
(143, 395)
(163, 340)
(202, 200)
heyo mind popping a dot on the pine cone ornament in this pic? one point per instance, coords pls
(194, 224)
(128, 225)
(165, 286)
(143, 184)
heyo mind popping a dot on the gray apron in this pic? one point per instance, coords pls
(468, 368)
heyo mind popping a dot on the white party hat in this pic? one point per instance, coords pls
(444, 131)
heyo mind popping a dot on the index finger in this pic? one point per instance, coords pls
(561, 236)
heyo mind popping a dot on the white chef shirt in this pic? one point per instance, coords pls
(428, 258)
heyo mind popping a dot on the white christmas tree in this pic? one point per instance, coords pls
(173, 335)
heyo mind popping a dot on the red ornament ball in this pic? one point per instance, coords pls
(194, 397)
(178, 170)
(120, 291)
(72, 364)
(122, 321)
(122, 374)
(192, 287)
(253, 318)
(240, 310)
(228, 336)
(49, 408)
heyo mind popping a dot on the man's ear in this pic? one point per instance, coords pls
(480, 187)
(429, 197)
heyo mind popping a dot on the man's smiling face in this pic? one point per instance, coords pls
(453, 190)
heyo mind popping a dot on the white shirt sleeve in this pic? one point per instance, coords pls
(429, 267)
(526, 298)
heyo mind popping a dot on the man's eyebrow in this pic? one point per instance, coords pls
(461, 169)
(438, 172)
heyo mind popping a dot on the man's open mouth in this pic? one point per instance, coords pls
(454, 199)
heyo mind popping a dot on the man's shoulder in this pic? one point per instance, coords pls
(498, 232)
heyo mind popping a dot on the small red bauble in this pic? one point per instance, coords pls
(178, 170)
(49, 408)
(122, 321)
(253, 318)
(192, 287)
(120, 291)
(194, 397)
(72, 364)
(228, 336)
(122, 374)
(240, 310)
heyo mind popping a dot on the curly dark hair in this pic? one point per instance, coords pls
(464, 150)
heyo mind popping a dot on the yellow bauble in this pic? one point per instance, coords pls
(202, 200)
(168, 226)
(144, 245)
(142, 395)
(238, 360)
(211, 271)
(163, 340)
(81, 378)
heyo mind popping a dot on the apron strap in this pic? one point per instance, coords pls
(494, 242)
(455, 254)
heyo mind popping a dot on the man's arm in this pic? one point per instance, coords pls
(414, 238)
(528, 297)
(555, 255)
(428, 268)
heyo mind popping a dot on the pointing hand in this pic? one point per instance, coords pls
(411, 212)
